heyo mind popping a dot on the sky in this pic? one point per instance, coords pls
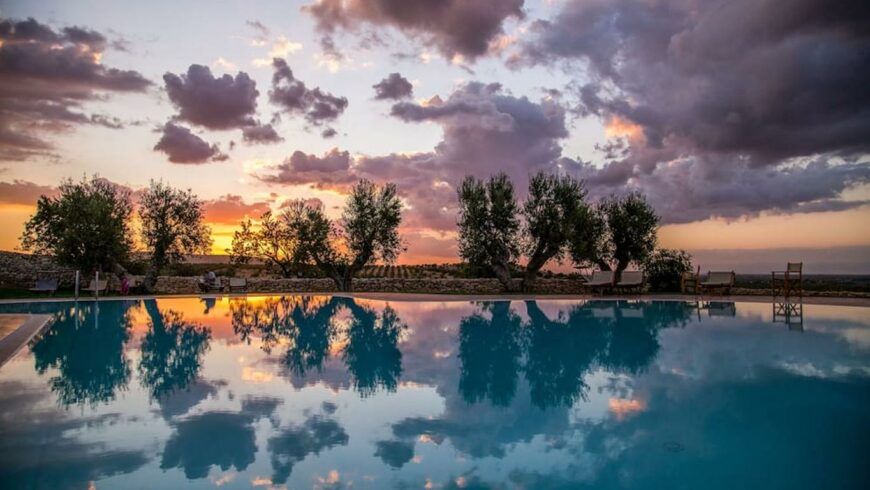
(746, 123)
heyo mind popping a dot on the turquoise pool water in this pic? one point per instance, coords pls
(325, 392)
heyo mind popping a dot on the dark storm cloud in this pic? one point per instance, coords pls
(731, 101)
(395, 87)
(292, 96)
(46, 76)
(261, 134)
(464, 27)
(689, 190)
(215, 103)
(182, 146)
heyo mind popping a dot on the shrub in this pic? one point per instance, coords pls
(664, 268)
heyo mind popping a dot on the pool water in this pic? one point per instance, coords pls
(329, 392)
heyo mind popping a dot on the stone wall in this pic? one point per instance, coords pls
(19, 270)
(188, 285)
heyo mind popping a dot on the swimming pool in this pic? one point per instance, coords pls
(330, 392)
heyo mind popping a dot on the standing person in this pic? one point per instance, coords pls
(125, 284)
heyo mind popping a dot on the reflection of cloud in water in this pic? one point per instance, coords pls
(38, 450)
(394, 453)
(179, 402)
(223, 439)
(294, 443)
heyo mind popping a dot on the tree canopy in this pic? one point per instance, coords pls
(367, 231)
(86, 226)
(632, 226)
(488, 225)
(172, 227)
(553, 212)
(271, 241)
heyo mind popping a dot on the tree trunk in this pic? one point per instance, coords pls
(503, 273)
(536, 262)
(620, 266)
(151, 276)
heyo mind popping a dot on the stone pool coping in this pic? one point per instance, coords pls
(32, 326)
(807, 300)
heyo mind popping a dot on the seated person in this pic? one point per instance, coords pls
(209, 281)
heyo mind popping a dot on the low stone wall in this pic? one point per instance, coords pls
(19, 270)
(188, 285)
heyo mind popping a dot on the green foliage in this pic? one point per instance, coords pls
(368, 231)
(488, 225)
(272, 241)
(85, 227)
(172, 226)
(664, 267)
(551, 212)
(632, 226)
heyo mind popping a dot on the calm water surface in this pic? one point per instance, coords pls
(324, 392)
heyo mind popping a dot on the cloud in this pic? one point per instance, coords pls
(481, 124)
(701, 97)
(395, 86)
(231, 208)
(46, 76)
(292, 96)
(261, 134)
(24, 193)
(182, 146)
(328, 171)
(461, 27)
(214, 103)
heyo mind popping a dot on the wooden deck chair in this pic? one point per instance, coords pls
(601, 280)
(723, 280)
(630, 280)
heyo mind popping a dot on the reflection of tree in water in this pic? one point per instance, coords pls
(490, 352)
(372, 354)
(172, 351)
(86, 346)
(560, 353)
(304, 323)
(556, 355)
(307, 326)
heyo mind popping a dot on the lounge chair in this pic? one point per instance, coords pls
(96, 286)
(718, 280)
(601, 279)
(45, 286)
(630, 280)
(689, 281)
(238, 284)
(789, 282)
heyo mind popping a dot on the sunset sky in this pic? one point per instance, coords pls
(745, 122)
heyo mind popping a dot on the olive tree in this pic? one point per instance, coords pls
(368, 231)
(172, 227)
(628, 226)
(488, 225)
(272, 241)
(551, 211)
(86, 226)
